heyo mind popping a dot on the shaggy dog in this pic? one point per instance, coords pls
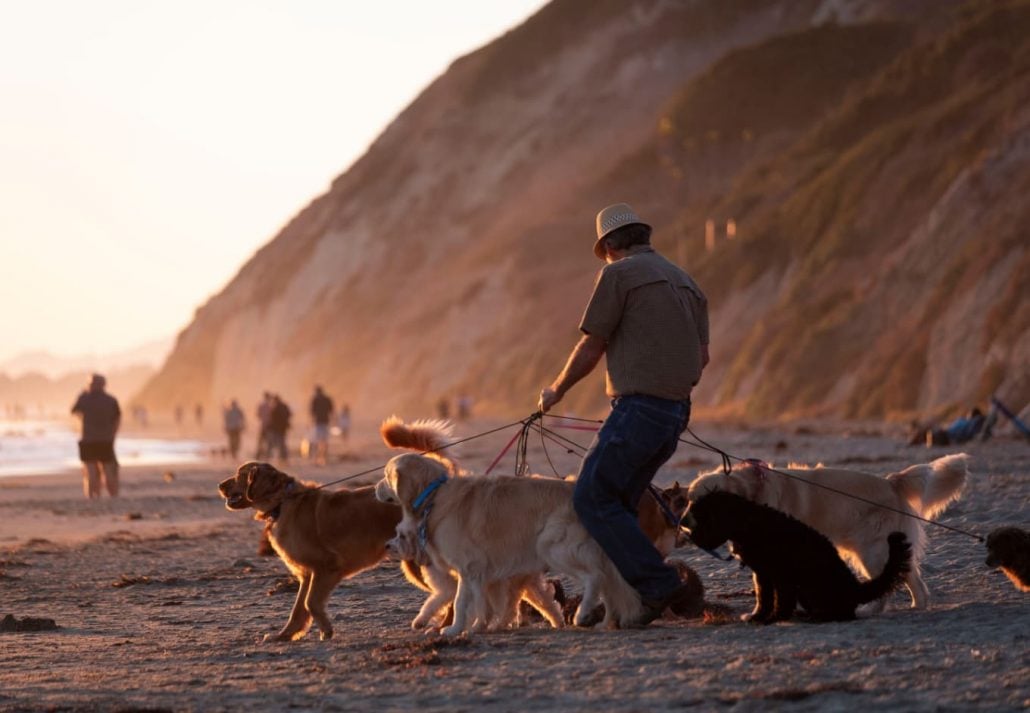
(792, 563)
(502, 596)
(493, 530)
(1009, 548)
(321, 536)
(858, 529)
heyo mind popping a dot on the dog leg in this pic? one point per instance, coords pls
(765, 600)
(300, 618)
(442, 591)
(917, 588)
(503, 597)
(322, 586)
(786, 601)
(540, 596)
(591, 599)
(464, 601)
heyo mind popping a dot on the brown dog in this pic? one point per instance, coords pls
(322, 536)
(1009, 549)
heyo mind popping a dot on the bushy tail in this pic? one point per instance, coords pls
(424, 436)
(413, 573)
(931, 487)
(898, 563)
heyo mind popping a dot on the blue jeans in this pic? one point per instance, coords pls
(639, 435)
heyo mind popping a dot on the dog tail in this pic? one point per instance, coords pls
(898, 562)
(413, 573)
(427, 436)
(931, 487)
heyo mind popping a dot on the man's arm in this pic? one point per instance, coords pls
(584, 357)
(704, 356)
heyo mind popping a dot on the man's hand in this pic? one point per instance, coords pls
(548, 398)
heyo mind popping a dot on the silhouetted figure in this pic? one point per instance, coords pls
(443, 408)
(464, 404)
(343, 422)
(321, 414)
(278, 425)
(264, 415)
(198, 414)
(234, 422)
(178, 414)
(101, 417)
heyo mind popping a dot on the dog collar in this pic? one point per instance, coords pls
(425, 494)
(275, 512)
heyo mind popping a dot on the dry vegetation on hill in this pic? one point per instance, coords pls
(876, 169)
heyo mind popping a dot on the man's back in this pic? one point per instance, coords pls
(100, 415)
(321, 408)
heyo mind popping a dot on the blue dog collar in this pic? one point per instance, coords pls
(430, 489)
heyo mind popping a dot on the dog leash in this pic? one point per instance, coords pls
(727, 457)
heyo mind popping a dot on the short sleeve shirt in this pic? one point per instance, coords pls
(654, 319)
(100, 415)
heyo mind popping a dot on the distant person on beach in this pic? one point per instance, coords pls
(278, 425)
(464, 407)
(264, 415)
(321, 415)
(198, 414)
(234, 422)
(962, 429)
(343, 422)
(650, 320)
(178, 414)
(443, 408)
(101, 417)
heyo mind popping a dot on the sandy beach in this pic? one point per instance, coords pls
(161, 600)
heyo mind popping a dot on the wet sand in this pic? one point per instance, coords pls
(161, 601)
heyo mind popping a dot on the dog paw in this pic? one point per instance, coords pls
(275, 638)
(325, 635)
(451, 631)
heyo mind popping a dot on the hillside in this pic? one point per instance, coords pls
(873, 166)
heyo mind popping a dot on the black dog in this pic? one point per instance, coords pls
(792, 563)
(1009, 548)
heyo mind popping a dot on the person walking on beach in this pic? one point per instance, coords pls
(321, 413)
(278, 425)
(650, 320)
(101, 417)
(234, 422)
(264, 414)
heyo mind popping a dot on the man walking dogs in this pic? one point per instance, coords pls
(101, 417)
(650, 319)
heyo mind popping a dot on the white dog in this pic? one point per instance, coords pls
(503, 597)
(858, 529)
(498, 530)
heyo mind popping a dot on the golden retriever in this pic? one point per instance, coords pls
(491, 530)
(857, 529)
(503, 596)
(322, 536)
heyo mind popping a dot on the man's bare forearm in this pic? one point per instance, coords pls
(584, 357)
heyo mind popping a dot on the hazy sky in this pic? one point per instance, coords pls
(148, 148)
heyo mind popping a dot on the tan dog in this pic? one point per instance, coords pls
(322, 536)
(502, 596)
(1009, 549)
(857, 529)
(490, 530)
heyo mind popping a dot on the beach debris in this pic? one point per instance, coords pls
(168, 476)
(245, 564)
(284, 585)
(128, 580)
(11, 623)
(413, 654)
(133, 516)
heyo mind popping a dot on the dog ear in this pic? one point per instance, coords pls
(262, 479)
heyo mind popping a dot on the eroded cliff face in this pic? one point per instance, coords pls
(455, 255)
